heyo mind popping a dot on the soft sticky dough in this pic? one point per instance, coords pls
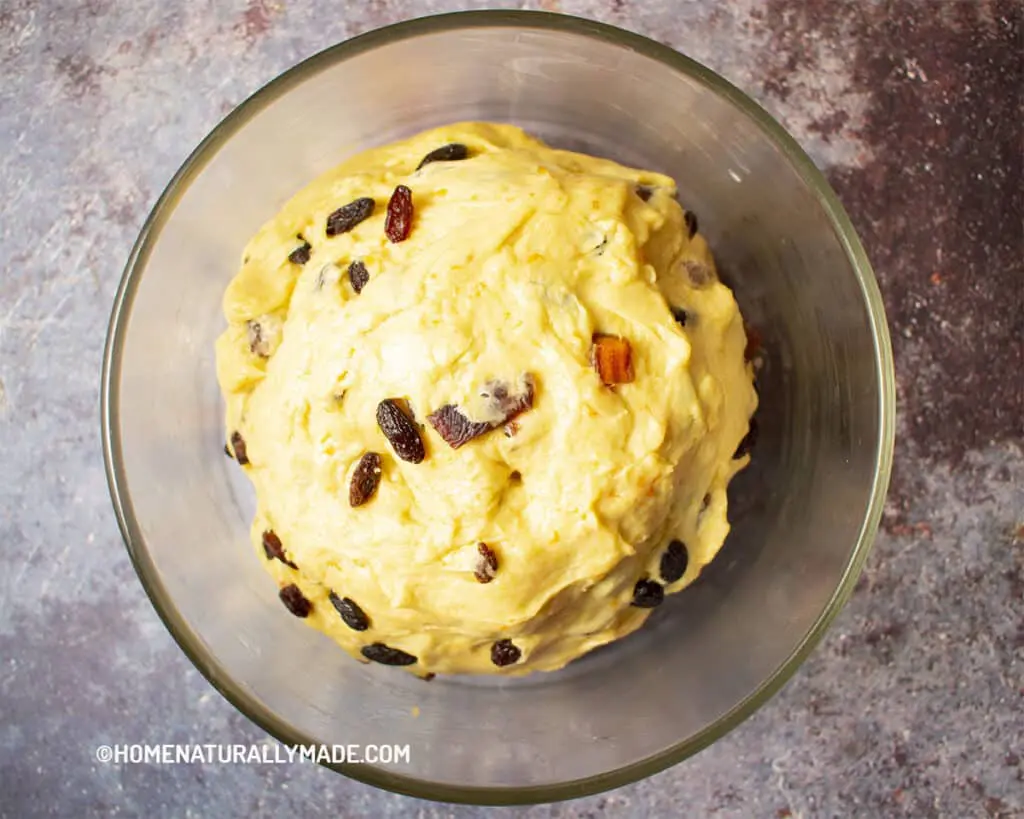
(518, 255)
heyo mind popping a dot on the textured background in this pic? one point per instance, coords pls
(914, 703)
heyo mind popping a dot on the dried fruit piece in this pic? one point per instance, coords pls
(348, 216)
(398, 221)
(502, 403)
(428, 676)
(674, 561)
(301, 254)
(612, 357)
(353, 616)
(487, 564)
(644, 192)
(238, 445)
(748, 441)
(400, 431)
(228, 451)
(380, 653)
(647, 594)
(365, 479)
(358, 275)
(295, 601)
(679, 314)
(454, 427)
(446, 153)
(691, 222)
(505, 652)
(273, 548)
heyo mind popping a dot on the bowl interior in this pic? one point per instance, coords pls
(803, 514)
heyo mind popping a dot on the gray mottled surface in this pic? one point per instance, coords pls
(912, 706)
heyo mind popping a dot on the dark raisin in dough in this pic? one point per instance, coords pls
(647, 594)
(446, 153)
(348, 216)
(301, 254)
(674, 561)
(353, 616)
(358, 275)
(385, 655)
(505, 652)
(400, 431)
(295, 601)
(365, 479)
(273, 548)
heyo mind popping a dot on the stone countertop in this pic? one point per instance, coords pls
(914, 703)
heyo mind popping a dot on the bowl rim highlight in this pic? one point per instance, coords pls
(117, 478)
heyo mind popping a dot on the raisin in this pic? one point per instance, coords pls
(647, 594)
(238, 445)
(228, 451)
(644, 192)
(353, 616)
(612, 357)
(358, 275)
(400, 431)
(679, 314)
(673, 561)
(446, 153)
(301, 254)
(505, 652)
(380, 653)
(273, 549)
(748, 440)
(348, 216)
(515, 476)
(295, 601)
(691, 223)
(398, 222)
(365, 479)
(428, 676)
(487, 564)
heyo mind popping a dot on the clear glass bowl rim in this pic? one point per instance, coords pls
(117, 477)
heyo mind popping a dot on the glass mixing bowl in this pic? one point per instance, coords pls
(804, 513)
